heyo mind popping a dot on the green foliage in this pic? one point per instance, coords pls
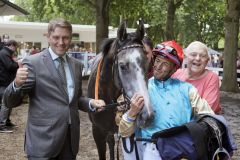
(44, 10)
(152, 12)
(194, 20)
(131, 10)
(202, 20)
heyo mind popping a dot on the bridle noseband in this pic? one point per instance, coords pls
(126, 99)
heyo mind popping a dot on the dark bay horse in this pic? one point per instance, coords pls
(120, 68)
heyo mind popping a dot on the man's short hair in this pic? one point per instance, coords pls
(12, 42)
(53, 24)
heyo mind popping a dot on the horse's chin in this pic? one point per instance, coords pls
(144, 119)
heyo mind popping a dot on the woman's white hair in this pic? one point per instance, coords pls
(197, 44)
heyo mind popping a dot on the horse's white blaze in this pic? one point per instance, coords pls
(139, 82)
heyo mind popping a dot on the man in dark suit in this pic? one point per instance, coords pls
(53, 81)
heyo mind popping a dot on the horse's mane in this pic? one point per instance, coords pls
(106, 45)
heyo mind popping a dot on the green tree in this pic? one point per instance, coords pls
(101, 8)
(172, 5)
(229, 82)
(80, 12)
(131, 10)
(45, 10)
(202, 20)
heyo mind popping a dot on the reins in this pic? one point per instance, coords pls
(126, 101)
(98, 78)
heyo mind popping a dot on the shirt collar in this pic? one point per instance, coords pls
(54, 55)
(163, 84)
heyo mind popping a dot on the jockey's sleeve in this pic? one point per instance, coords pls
(199, 104)
(126, 126)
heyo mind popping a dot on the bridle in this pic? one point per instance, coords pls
(130, 46)
(126, 100)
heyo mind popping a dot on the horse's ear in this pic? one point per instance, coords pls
(140, 32)
(122, 31)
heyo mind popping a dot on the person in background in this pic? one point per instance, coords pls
(238, 67)
(5, 38)
(174, 102)
(206, 81)
(1, 43)
(33, 50)
(8, 69)
(148, 44)
(221, 61)
(53, 82)
(238, 62)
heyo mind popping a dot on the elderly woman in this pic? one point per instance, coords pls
(206, 81)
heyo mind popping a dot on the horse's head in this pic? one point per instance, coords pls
(131, 66)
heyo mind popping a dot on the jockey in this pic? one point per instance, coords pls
(174, 102)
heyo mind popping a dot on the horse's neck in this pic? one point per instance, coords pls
(107, 87)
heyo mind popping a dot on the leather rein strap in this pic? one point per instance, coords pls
(98, 78)
(126, 101)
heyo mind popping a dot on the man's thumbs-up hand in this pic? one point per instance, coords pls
(21, 75)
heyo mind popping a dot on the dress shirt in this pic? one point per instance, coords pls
(70, 84)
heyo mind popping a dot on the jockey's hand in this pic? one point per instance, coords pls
(137, 102)
(97, 104)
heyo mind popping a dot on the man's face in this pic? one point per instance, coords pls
(5, 38)
(197, 59)
(13, 48)
(162, 68)
(60, 40)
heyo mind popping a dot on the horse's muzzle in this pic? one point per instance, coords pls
(144, 119)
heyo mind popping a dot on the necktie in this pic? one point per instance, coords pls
(61, 71)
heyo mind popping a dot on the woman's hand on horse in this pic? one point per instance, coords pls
(137, 102)
(98, 104)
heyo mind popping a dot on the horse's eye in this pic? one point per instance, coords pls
(123, 67)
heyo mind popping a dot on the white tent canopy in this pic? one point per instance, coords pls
(213, 52)
(7, 8)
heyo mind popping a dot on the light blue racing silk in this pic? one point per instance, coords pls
(171, 105)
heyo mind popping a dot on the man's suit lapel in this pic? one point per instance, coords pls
(53, 71)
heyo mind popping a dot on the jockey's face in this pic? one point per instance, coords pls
(162, 68)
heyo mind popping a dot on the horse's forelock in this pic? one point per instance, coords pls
(135, 38)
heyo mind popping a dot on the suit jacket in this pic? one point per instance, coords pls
(49, 105)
